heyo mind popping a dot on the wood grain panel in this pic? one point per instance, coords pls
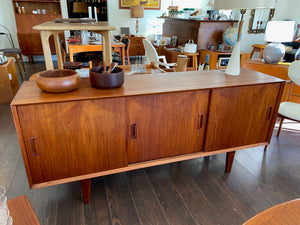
(31, 44)
(73, 138)
(166, 125)
(8, 87)
(25, 22)
(240, 116)
(202, 32)
(276, 70)
(146, 85)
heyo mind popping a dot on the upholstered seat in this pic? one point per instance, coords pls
(290, 110)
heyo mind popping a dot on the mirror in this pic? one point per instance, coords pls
(259, 19)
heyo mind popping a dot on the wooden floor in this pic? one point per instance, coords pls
(185, 193)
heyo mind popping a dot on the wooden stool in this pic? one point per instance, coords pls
(194, 60)
(258, 48)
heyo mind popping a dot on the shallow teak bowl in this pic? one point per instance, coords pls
(106, 81)
(57, 81)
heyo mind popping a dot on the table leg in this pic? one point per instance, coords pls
(229, 161)
(106, 45)
(71, 54)
(46, 48)
(86, 190)
(58, 51)
(195, 59)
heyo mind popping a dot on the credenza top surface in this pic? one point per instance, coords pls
(145, 84)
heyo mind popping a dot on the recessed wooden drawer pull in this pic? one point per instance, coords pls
(32, 146)
(133, 131)
(200, 121)
(269, 113)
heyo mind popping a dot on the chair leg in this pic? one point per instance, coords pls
(252, 53)
(279, 128)
(128, 60)
(19, 67)
(266, 146)
(22, 61)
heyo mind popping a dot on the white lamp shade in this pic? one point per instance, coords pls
(279, 31)
(244, 4)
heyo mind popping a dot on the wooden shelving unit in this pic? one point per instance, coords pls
(29, 40)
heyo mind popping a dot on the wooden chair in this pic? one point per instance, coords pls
(290, 110)
(152, 56)
(258, 48)
(13, 51)
(117, 50)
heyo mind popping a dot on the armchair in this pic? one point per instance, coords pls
(152, 56)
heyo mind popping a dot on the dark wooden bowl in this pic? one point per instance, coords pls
(57, 81)
(106, 81)
(72, 65)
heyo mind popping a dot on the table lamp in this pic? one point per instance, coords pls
(233, 67)
(276, 32)
(137, 11)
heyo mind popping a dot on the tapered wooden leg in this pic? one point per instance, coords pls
(266, 146)
(229, 161)
(279, 128)
(86, 190)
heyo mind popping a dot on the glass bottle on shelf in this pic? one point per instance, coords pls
(206, 64)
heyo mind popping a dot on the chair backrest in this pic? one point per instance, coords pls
(126, 41)
(150, 51)
(294, 72)
(5, 32)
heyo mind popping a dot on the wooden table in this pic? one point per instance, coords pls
(276, 70)
(152, 119)
(9, 83)
(285, 213)
(78, 47)
(51, 28)
(22, 212)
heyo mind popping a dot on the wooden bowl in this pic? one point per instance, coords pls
(72, 65)
(57, 81)
(106, 81)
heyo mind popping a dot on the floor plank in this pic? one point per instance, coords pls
(147, 204)
(170, 199)
(121, 205)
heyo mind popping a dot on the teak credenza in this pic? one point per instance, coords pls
(151, 120)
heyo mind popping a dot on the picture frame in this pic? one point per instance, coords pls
(148, 4)
(174, 41)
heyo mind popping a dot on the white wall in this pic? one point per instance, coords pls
(7, 18)
(286, 9)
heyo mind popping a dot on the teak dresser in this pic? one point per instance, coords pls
(151, 120)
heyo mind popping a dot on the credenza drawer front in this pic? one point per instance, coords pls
(240, 116)
(165, 125)
(73, 138)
